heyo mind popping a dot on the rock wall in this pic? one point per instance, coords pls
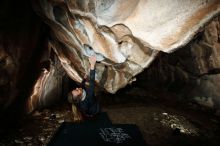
(22, 39)
(125, 35)
(31, 76)
(50, 85)
(192, 72)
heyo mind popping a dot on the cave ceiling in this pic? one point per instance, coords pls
(126, 36)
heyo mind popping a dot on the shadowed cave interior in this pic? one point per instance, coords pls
(174, 100)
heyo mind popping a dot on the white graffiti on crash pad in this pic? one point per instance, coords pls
(115, 135)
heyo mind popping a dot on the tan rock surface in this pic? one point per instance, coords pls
(126, 34)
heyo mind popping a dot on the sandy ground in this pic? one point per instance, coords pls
(161, 123)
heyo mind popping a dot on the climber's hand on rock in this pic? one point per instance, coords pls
(92, 61)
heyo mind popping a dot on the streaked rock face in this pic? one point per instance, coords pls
(48, 87)
(125, 35)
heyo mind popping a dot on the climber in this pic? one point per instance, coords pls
(84, 103)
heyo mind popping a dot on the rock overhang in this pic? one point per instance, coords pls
(125, 35)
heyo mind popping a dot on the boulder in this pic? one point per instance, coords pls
(126, 34)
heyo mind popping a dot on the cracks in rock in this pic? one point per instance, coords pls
(214, 71)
